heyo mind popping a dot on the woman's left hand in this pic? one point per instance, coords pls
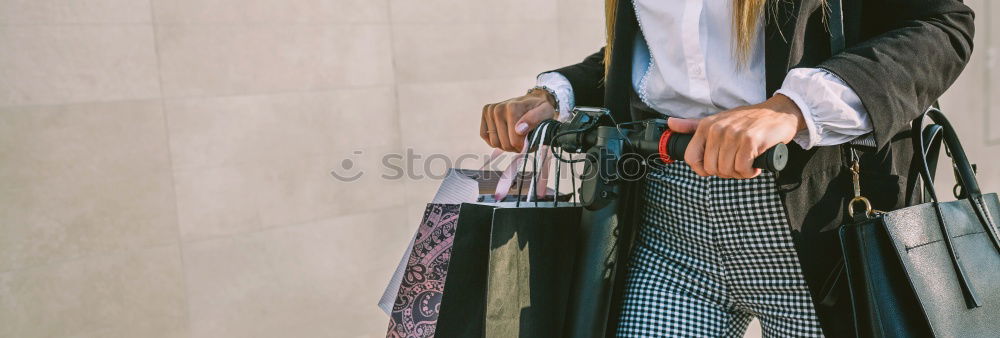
(725, 144)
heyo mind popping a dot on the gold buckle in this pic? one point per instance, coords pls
(856, 178)
(868, 205)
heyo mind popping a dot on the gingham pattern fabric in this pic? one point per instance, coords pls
(711, 255)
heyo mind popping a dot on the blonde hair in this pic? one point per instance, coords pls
(746, 14)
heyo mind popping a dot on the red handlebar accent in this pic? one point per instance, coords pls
(664, 140)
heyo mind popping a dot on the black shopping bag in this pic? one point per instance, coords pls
(531, 259)
(496, 269)
(533, 248)
(439, 289)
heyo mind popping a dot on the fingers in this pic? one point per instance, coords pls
(736, 155)
(532, 118)
(683, 126)
(504, 125)
(491, 128)
(483, 126)
(528, 122)
(744, 157)
(729, 150)
(726, 163)
(713, 141)
(502, 134)
(516, 139)
(694, 155)
(726, 144)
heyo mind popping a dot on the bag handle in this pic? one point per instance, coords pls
(932, 139)
(538, 178)
(968, 182)
(507, 178)
(521, 160)
(932, 136)
(966, 174)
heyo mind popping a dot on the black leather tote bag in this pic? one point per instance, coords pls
(931, 269)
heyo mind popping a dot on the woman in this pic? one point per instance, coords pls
(719, 242)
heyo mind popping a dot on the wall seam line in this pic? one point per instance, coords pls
(170, 164)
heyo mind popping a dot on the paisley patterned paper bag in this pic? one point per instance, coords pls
(442, 292)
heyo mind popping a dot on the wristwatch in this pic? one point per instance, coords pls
(552, 93)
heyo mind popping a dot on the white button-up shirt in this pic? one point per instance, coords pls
(684, 66)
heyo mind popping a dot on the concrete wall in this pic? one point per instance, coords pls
(164, 164)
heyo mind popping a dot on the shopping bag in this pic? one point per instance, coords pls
(451, 244)
(531, 259)
(442, 289)
(459, 186)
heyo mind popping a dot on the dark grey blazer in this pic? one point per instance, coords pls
(901, 56)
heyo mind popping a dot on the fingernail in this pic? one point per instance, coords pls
(521, 128)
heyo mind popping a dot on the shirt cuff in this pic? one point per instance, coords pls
(560, 85)
(810, 136)
(833, 112)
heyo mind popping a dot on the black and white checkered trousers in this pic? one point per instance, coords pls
(711, 255)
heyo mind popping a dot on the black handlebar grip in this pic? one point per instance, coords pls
(773, 160)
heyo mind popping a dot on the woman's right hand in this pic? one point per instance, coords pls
(505, 124)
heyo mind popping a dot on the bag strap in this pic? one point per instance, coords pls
(836, 26)
(507, 178)
(533, 144)
(967, 180)
(933, 135)
(850, 157)
(540, 171)
(965, 173)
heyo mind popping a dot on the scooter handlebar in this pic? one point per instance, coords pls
(773, 160)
